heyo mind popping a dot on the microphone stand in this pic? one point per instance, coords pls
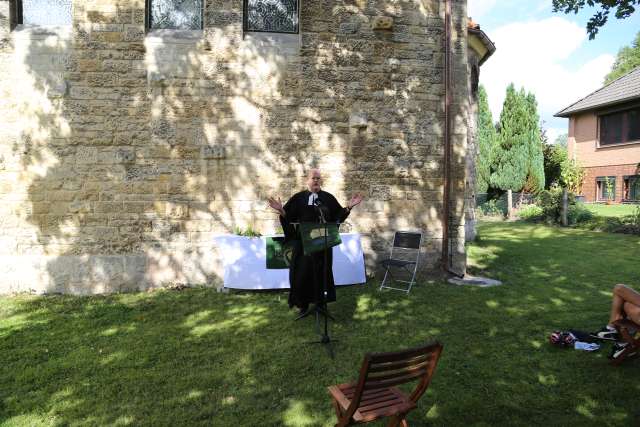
(321, 307)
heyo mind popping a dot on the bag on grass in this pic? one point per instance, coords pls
(562, 339)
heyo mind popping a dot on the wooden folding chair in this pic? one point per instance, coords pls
(630, 334)
(375, 394)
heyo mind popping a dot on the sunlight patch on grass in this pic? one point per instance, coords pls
(516, 311)
(368, 308)
(196, 318)
(31, 420)
(536, 344)
(492, 304)
(113, 358)
(229, 400)
(194, 394)
(547, 379)
(433, 412)
(557, 302)
(125, 420)
(298, 415)
(587, 408)
(241, 318)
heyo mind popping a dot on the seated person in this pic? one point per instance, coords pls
(625, 305)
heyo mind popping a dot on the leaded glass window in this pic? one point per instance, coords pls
(46, 12)
(175, 14)
(275, 16)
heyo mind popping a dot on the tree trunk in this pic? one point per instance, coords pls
(565, 207)
(509, 204)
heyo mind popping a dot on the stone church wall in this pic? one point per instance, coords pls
(123, 151)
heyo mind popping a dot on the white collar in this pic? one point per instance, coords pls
(312, 199)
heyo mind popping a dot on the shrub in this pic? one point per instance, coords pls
(248, 232)
(551, 203)
(495, 207)
(531, 213)
(578, 214)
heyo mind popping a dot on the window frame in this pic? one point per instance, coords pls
(16, 12)
(600, 184)
(615, 110)
(245, 21)
(627, 187)
(147, 19)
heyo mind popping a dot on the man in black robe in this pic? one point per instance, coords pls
(306, 272)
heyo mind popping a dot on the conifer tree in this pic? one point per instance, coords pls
(487, 139)
(519, 162)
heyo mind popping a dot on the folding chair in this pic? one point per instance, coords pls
(404, 256)
(375, 394)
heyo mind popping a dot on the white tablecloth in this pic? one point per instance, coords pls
(244, 261)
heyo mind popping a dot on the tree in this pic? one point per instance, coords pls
(562, 140)
(627, 59)
(487, 139)
(555, 157)
(623, 9)
(519, 162)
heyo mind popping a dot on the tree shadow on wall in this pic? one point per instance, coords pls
(149, 150)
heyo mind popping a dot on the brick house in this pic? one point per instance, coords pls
(133, 131)
(604, 137)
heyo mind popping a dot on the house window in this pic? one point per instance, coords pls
(43, 12)
(620, 127)
(174, 14)
(275, 16)
(632, 188)
(606, 187)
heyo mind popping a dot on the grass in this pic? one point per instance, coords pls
(617, 210)
(198, 357)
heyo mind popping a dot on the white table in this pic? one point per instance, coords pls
(244, 260)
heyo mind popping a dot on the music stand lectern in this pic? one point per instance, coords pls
(318, 237)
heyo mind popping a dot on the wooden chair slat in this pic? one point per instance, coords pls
(401, 355)
(397, 372)
(393, 381)
(391, 366)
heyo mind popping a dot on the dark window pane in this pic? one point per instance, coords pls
(46, 12)
(620, 127)
(611, 129)
(633, 120)
(634, 188)
(175, 14)
(277, 16)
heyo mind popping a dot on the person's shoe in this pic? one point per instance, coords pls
(606, 334)
(617, 350)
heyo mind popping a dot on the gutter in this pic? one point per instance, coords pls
(446, 208)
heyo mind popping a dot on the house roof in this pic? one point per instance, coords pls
(473, 29)
(623, 89)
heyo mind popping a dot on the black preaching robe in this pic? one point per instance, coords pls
(306, 273)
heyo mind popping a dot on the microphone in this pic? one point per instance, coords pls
(317, 202)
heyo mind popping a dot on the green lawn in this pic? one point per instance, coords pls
(611, 210)
(198, 357)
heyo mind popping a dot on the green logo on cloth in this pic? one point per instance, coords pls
(279, 254)
(313, 237)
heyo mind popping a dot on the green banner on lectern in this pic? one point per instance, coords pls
(313, 239)
(279, 254)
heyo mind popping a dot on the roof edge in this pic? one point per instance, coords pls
(562, 113)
